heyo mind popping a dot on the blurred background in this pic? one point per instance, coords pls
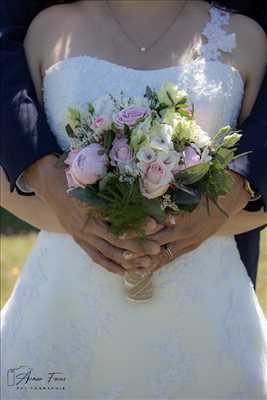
(17, 239)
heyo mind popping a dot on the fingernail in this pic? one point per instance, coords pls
(127, 255)
(172, 220)
(141, 273)
(153, 224)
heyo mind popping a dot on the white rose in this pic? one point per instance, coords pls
(170, 89)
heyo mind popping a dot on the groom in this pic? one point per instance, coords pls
(29, 150)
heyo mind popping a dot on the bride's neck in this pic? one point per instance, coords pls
(128, 8)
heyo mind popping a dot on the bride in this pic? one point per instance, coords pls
(68, 330)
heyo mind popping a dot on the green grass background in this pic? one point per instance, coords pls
(17, 239)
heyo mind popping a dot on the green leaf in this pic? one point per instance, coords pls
(108, 139)
(224, 155)
(74, 118)
(186, 196)
(170, 98)
(148, 93)
(127, 132)
(88, 195)
(219, 136)
(61, 160)
(193, 174)
(70, 131)
(91, 108)
(182, 102)
(154, 210)
(217, 182)
(242, 155)
(185, 113)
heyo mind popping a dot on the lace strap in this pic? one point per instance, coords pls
(218, 40)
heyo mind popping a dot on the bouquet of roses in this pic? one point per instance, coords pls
(134, 157)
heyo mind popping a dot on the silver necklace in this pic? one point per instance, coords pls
(143, 49)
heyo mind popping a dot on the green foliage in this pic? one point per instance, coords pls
(152, 97)
(60, 163)
(74, 118)
(216, 183)
(185, 196)
(108, 139)
(127, 132)
(70, 131)
(91, 108)
(193, 174)
(220, 135)
(170, 98)
(89, 195)
(120, 203)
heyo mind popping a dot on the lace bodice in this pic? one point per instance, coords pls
(215, 88)
(202, 335)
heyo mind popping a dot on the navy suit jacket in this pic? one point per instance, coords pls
(26, 136)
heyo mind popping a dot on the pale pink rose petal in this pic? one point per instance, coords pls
(71, 156)
(151, 191)
(70, 181)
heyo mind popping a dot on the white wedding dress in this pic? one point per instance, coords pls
(202, 336)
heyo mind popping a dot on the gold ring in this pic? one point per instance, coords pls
(168, 251)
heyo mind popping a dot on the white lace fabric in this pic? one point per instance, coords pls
(202, 336)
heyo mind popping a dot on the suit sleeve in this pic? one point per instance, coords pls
(254, 139)
(25, 134)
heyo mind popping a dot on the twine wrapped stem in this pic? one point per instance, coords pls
(138, 288)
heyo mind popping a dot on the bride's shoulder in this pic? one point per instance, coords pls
(53, 20)
(250, 34)
(247, 27)
(49, 31)
(251, 43)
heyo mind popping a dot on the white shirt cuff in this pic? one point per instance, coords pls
(23, 186)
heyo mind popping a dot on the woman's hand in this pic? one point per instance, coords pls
(186, 231)
(55, 211)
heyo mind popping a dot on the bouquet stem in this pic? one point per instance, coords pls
(138, 288)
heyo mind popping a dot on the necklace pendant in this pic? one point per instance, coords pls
(143, 49)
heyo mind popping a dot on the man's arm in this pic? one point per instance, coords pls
(254, 138)
(25, 134)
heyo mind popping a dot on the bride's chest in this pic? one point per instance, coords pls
(215, 89)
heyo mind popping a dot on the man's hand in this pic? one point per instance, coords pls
(185, 232)
(49, 183)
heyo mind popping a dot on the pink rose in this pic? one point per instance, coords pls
(120, 151)
(189, 158)
(86, 166)
(156, 178)
(130, 116)
(100, 123)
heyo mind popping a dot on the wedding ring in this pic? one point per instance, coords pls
(168, 251)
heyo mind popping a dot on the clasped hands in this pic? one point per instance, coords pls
(182, 233)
